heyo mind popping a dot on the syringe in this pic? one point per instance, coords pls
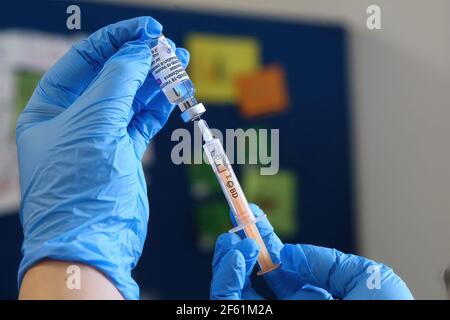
(244, 217)
(178, 88)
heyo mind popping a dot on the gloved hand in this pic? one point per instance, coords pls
(306, 271)
(80, 141)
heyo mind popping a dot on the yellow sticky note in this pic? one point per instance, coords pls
(216, 60)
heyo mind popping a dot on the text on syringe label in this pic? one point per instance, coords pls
(223, 168)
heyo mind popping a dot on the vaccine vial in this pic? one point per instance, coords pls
(173, 79)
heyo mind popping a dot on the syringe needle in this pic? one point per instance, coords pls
(205, 131)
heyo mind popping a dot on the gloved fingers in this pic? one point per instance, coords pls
(250, 251)
(229, 241)
(71, 75)
(62, 84)
(250, 294)
(224, 243)
(232, 268)
(147, 123)
(280, 282)
(308, 292)
(184, 56)
(271, 240)
(389, 286)
(330, 269)
(108, 99)
(150, 90)
(152, 110)
(228, 281)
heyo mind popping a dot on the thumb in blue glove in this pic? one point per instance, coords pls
(345, 276)
(232, 265)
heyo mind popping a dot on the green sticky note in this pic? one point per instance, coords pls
(213, 219)
(25, 82)
(203, 182)
(211, 208)
(276, 195)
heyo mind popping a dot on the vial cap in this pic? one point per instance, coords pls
(193, 112)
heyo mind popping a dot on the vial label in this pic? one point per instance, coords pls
(167, 69)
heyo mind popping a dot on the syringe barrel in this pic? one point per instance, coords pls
(237, 201)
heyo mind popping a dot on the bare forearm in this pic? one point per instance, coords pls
(60, 280)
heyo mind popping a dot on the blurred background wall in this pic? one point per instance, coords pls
(400, 82)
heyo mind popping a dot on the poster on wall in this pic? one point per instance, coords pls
(25, 56)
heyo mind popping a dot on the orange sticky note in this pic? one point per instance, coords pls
(262, 92)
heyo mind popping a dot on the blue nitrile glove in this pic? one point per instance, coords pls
(306, 271)
(80, 141)
(234, 260)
